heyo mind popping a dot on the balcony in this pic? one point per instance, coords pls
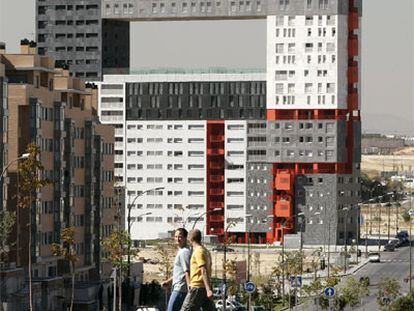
(283, 208)
(214, 205)
(353, 21)
(353, 47)
(353, 101)
(216, 192)
(217, 218)
(216, 165)
(216, 138)
(283, 181)
(353, 75)
(216, 178)
(215, 152)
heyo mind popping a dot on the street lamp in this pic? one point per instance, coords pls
(129, 237)
(346, 209)
(224, 294)
(201, 215)
(22, 157)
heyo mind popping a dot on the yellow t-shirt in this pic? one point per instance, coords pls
(200, 257)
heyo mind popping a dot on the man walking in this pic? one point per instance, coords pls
(200, 295)
(180, 279)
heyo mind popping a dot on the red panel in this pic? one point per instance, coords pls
(215, 178)
(352, 75)
(284, 181)
(352, 47)
(284, 208)
(353, 21)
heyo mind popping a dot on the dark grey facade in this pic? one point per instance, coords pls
(324, 200)
(92, 37)
(233, 100)
(73, 33)
(259, 179)
(297, 141)
(135, 10)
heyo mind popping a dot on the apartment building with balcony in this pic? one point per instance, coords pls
(56, 111)
(299, 122)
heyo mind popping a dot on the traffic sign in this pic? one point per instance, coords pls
(296, 281)
(223, 288)
(329, 292)
(250, 287)
(411, 212)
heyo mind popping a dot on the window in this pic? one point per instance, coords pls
(308, 4)
(279, 48)
(279, 88)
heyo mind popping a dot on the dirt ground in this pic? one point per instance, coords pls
(260, 264)
(374, 164)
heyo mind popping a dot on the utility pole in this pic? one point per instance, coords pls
(411, 243)
(249, 302)
(283, 265)
(346, 238)
(379, 228)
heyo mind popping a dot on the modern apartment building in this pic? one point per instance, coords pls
(56, 111)
(299, 144)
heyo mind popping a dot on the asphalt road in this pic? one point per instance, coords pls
(393, 265)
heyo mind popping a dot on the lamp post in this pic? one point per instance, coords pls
(22, 157)
(346, 209)
(249, 302)
(129, 237)
(411, 256)
(224, 294)
(205, 213)
(379, 223)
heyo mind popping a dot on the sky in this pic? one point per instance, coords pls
(387, 52)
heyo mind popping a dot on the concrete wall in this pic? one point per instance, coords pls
(135, 10)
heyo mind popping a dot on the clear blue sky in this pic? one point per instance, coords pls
(387, 52)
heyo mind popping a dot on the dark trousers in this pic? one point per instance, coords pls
(196, 299)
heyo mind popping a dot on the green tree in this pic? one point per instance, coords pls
(354, 291)
(405, 216)
(117, 244)
(67, 250)
(7, 220)
(30, 184)
(404, 303)
(388, 291)
(166, 252)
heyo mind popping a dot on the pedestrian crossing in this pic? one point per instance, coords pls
(395, 260)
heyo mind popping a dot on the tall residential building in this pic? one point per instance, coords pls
(55, 111)
(302, 140)
(3, 130)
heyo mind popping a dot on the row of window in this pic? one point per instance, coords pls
(173, 206)
(290, 126)
(320, 100)
(77, 49)
(309, 20)
(290, 88)
(197, 88)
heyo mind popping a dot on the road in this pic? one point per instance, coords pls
(393, 265)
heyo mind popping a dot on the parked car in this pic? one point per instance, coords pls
(220, 248)
(231, 305)
(402, 234)
(374, 257)
(389, 247)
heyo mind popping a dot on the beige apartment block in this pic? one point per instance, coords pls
(58, 112)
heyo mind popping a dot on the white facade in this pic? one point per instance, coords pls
(171, 154)
(235, 174)
(307, 61)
